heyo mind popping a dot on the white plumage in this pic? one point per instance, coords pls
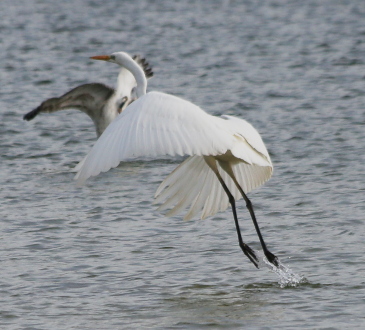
(159, 124)
(227, 157)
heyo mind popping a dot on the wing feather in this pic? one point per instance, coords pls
(202, 189)
(156, 125)
(160, 124)
(245, 130)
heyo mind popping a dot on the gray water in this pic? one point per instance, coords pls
(101, 256)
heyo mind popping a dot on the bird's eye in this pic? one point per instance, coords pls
(112, 57)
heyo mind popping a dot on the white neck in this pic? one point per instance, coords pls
(139, 75)
(125, 83)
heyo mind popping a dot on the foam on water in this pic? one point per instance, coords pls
(287, 278)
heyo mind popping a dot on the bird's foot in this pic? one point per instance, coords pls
(272, 258)
(250, 254)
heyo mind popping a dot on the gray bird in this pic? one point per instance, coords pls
(100, 102)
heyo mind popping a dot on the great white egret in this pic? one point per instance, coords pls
(227, 157)
(100, 102)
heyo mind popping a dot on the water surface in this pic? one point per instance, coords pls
(101, 256)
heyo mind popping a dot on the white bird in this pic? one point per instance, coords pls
(100, 102)
(227, 157)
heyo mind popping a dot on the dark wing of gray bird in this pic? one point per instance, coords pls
(89, 98)
(95, 99)
(145, 66)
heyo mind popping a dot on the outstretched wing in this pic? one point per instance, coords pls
(156, 125)
(91, 98)
(88, 98)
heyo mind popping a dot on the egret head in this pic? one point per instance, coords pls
(126, 61)
(120, 58)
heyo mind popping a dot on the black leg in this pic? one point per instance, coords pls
(270, 256)
(250, 254)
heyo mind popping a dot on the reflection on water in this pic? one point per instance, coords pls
(200, 305)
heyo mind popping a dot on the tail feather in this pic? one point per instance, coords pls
(193, 184)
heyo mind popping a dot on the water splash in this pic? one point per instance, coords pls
(287, 278)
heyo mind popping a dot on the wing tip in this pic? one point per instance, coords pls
(32, 114)
(145, 65)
